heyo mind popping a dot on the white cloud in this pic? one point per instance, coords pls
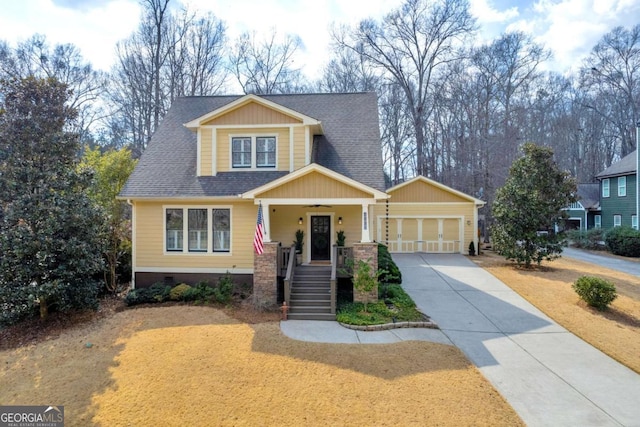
(487, 14)
(571, 28)
(94, 31)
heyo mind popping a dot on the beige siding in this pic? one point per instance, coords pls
(314, 185)
(423, 193)
(150, 234)
(223, 142)
(252, 113)
(205, 152)
(284, 223)
(298, 148)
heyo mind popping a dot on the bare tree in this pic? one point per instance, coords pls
(171, 54)
(64, 62)
(349, 71)
(264, 67)
(410, 44)
(612, 74)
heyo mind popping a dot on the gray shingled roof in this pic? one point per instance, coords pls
(350, 146)
(589, 195)
(626, 166)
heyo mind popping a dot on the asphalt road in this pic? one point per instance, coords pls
(629, 267)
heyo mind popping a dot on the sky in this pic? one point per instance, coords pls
(569, 28)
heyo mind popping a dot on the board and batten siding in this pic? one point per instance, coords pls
(252, 113)
(150, 235)
(316, 184)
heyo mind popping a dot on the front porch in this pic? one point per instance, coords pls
(309, 290)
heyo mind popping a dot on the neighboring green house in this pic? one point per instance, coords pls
(618, 199)
(585, 214)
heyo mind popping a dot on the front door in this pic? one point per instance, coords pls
(320, 238)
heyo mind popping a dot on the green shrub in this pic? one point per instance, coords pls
(591, 239)
(201, 292)
(596, 292)
(623, 241)
(178, 291)
(224, 290)
(390, 271)
(158, 292)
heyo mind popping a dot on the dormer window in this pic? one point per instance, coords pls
(241, 152)
(253, 152)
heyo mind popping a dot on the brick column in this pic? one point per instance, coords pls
(265, 276)
(366, 252)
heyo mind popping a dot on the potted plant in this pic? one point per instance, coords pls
(299, 242)
(340, 238)
(472, 249)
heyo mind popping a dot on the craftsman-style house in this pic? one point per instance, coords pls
(309, 162)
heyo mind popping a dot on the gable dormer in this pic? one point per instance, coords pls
(253, 134)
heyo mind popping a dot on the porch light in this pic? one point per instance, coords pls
(300, 221)
(340, 220)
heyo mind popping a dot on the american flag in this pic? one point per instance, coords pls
(258, 243)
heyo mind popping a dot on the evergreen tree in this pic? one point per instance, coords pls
(531, 201)
(49, 229)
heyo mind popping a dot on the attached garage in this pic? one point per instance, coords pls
(423, 215)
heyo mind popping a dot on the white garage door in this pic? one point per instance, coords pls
(421, 234)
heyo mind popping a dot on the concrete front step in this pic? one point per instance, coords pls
(312, 316)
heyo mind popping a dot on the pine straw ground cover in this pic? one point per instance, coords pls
(615, 332)
(188, 365)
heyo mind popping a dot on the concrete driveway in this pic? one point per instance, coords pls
(549, 376)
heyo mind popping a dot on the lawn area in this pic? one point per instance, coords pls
(189, 365)
(615, 332)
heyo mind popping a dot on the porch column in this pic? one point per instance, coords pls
(265, 276)
(367, 252)
(366, 224)
(266, 214)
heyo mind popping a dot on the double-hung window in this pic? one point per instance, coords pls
(221, 230)
(617, 220)
(174, 228)
(253, 152)
(241, 152)
(634, 222)
(197, 230)
(266, 152)
(605, 187)
(622, 186)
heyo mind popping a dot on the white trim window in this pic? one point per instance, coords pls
(617, 220)
(266, 151)
(597, 221)
(605, 187)
(253, 151)
(221, 230)
(634, 222)
(174, 225)
(198, 230)
(622, 186)
(241, 152)
(188, 228)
